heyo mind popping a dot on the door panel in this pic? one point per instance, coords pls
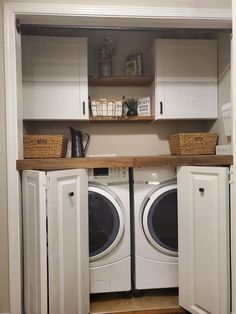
(68, 242)
(35, 243)
(186, 79)
(205, 242)
(203, 209)
(55, 78)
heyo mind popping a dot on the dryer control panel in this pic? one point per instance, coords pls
(109, 174)
(154, 175)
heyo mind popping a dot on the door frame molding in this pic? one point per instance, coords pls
(221, 17)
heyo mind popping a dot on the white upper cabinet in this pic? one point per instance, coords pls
(185, 79)
(55, 78)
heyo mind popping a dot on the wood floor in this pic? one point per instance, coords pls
(163, 301)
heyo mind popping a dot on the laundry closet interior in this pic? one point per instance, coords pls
(57, 86)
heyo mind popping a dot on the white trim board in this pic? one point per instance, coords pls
(221, 17)
(233, 185)
(13, 188)
(122, 11)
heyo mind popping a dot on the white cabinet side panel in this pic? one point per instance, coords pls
(35, 243)
(203, 209)
(68, 242)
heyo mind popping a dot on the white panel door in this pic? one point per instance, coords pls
(203, 214)
(68, 252)
(35, 243)
(185, 79)
(55, 78)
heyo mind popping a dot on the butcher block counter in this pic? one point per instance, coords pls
(124, 161)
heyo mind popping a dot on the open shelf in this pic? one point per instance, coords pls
(122, 119)
(120, 81)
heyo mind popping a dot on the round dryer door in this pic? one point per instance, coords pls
(160, 220)
(106, 222)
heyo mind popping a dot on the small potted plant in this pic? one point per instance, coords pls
(132, 106)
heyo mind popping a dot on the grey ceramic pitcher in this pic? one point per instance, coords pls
(78, 149)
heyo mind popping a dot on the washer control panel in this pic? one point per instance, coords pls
(109, 174)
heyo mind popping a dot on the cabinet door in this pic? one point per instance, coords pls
(68, 256)
(203, 213)
(35, 243)
(185, 79)
(55, 82)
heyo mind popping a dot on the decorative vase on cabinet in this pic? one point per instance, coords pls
(106, 51)
(55, 79)
(106, 69)
(185, 79)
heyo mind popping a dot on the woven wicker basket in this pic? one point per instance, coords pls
(44, 146)
(193, 143)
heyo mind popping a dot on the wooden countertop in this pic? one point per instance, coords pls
(123, 161)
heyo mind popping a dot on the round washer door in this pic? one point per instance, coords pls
(106, 222)
(160, 220)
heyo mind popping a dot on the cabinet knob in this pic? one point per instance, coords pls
(201, 190)
(71, 194)
(83, 107)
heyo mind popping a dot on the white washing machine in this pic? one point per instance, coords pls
(109, 230)
(155, 228)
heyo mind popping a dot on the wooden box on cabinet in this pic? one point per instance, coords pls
(185, 79)
(55, 79)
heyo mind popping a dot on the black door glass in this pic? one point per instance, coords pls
(104, 223)
(163, 220)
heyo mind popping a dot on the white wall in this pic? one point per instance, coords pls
(224, 83)
(121, 138)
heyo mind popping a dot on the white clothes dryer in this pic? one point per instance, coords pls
(155, 224)
(109, 230)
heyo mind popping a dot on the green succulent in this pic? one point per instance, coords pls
(131, 103)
